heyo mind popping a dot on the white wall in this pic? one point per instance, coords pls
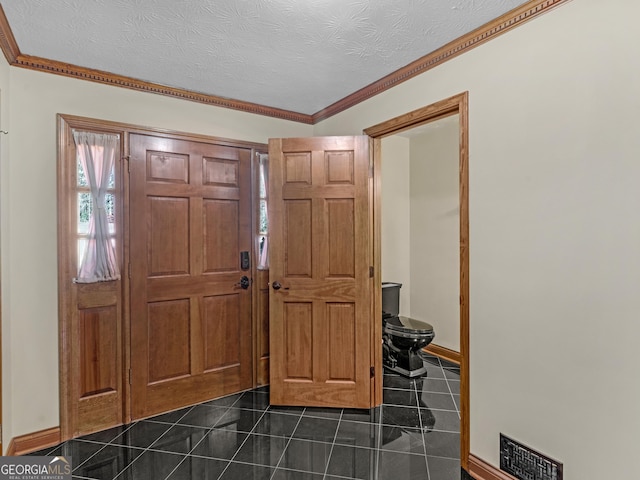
(29, 267)
(396, 222)
(435, 230)
(554, 231)
(4, 235)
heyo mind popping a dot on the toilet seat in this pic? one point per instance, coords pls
(407, 327)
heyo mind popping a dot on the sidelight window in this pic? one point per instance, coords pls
(263, 218)
(96, 219)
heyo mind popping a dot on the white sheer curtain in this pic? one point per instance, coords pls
(97, 152)
(263, 161)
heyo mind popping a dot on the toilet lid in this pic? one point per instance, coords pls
(406, 323)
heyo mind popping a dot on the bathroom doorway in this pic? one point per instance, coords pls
(449, 116)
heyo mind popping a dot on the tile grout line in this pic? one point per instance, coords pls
(189, 454)
(333, 444)
(424, 441)
(451, 393)
(152, 443)
(414, 406)
(287, 445)
(377, 425)
(104, 445)
(176, 423)
(454, 403)
(199, 441)
(379, 436)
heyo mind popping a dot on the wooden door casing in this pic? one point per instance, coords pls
(261, 285)
(457, 104)
(92, 390)
(94, 319)
(320, 318)
(190, 219)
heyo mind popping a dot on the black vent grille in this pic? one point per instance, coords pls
(527, 464)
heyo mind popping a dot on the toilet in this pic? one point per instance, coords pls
(403, 338)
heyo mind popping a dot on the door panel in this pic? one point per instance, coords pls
(221, 331)
(320, 297)
(168, 236)
(190, 319)
(168, 335)
(298, 328)
(342, 347)
(221, 251)
(98, 361)
(298, 238)
(341, 244)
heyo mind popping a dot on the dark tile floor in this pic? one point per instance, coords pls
(414, 435)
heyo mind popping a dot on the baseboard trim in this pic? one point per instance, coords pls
(481, 470)
(32, 442)
(11, 449)
(444, 353)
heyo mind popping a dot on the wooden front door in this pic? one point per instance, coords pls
(190, 316)
(320, 258)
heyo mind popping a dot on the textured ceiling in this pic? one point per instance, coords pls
(298, 55)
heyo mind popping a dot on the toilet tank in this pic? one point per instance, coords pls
(390, 299)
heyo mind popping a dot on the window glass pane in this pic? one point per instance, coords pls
(82, 178)
(264, 226)
(110, 206)
(262, 183)
(85, 207)
(112, 178)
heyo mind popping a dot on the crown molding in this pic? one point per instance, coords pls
(463, 44)
(17, 59)
(8, 42)
(451, 50)
(98, 76)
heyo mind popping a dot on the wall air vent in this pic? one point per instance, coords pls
(527, 464)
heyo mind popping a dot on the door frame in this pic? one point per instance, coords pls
(65, 124)
(67, 298)
(457, 104)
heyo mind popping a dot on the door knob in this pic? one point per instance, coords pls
(277, 286)
(243, 283)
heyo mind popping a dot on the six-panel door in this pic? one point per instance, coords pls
(320, 296)
(190, 220)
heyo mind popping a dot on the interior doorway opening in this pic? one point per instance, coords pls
(458, 106)
(421, 227)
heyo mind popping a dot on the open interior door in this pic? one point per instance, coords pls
(320, 286)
